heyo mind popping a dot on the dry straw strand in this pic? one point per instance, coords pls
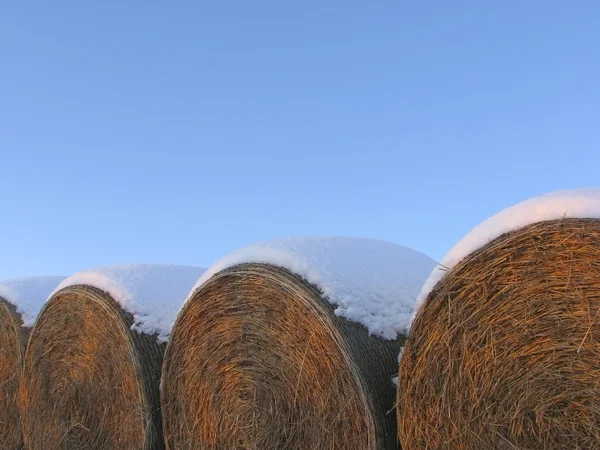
(89, 381)
(505, 353)
(257, 359)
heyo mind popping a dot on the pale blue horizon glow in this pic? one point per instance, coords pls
(154, 132)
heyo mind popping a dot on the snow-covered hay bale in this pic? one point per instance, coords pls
(20, 302)
(92, 365)
(292, 344)
(504, 352)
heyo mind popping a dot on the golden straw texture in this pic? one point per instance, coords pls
(89, 381)
(258, 360)
(12, 348)
(505, 353)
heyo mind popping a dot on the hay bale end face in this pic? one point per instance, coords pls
(259, 358)
(88, 380)
(12, 347)
(505, 351)
(91, 379)
(20, 300)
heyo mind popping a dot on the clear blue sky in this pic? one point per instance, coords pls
(174, 132)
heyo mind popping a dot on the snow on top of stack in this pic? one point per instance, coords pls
(574, 203)
(374, 283)
(28, 295)
(152, 293)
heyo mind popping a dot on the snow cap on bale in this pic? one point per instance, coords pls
(152, 293)
(92, 365)
(371, 282)
(504, 349)
(292, 344)
(20, 301)
(572, 203)
(28, 295)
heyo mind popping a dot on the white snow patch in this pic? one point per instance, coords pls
(395, 379)
(372, 282)
(574, 203)
(152, 293)
(28, 295)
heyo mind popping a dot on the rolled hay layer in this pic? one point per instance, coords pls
(92, 365)
(504, 353)
(261, 358)
(20, 301)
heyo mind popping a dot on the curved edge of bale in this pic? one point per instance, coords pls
(90, 331)
(370, 362)
(12, 351)
(515, 342)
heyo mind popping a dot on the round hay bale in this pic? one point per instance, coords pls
(20, 300)
(91, 376)
(12, 347)
(505, 351)
(259, 358)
